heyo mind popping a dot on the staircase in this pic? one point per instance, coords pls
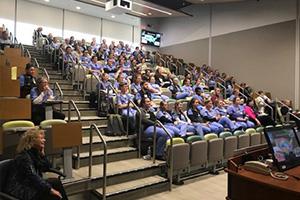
(128, 177)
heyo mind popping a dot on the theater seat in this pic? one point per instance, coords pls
(262, 135)
(12, 131)
(181, 152)
(243, 139)
(5, 165)
(198, 151)
(48, 123)
(17, 125)
(215, 149)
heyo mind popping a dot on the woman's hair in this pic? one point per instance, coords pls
(177, 103)
(29, 139)
(40, 80)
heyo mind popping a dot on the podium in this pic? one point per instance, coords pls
(247, 185)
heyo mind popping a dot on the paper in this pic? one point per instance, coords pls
(14, 73)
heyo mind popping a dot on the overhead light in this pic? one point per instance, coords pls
(113, 16)
(149, 13)
(47, 0)
(99, 2)
(159, 10)
(139, 13)
(78, 8)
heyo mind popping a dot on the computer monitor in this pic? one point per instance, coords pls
(284, 145)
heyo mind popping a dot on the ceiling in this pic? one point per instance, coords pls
(140, 8)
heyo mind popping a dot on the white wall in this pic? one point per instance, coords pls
(81, 26)
(7, 10)
(59, 22)
(226, 18)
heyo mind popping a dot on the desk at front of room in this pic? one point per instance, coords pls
(248, 185)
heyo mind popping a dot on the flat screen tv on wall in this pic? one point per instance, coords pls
(150, 38)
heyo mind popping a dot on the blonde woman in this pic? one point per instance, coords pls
(26, 180)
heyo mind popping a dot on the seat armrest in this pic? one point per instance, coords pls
(6, 196)
(59, 173)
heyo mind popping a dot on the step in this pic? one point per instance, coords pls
(135, 189)
(73, 97)
(72, 92)
(112, 142)
(115, 154)
(61, 82)
(88, 120)
(117, 172)
(79, 104)
(82, 112)
(86, 130)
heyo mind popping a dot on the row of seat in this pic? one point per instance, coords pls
(211, 151)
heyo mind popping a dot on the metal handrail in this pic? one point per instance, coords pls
(224, 88)
(63, 63)
(94, 126)
(36, 63)
(116, 92)
(28, 53)
(246, 98)
(72, 103)
(289, 110)
(22, 49)
(140, 124)
(15, 40)
(78, 68)
(222, 80)
(46, 74)
(61, 94)
(171, 146)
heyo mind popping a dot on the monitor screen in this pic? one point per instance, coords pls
(150, 38)
(284, 145)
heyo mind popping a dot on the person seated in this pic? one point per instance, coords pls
(85, 59)
(145, 91)
(162, 79)
(148, 121)
(262, 101)
(258, 119)
(69, 62)
(235, 94)
(187, 86)
(104, 84)
(200, 97)
(217, 96)
(94, 67)
(177, 91)
(4, 40)
(121, 79)
(39, 95)
(165, 117)
(180, 117)
(199, 84)
(194, 115)
(25, 175)
(210, 114)
(27, 80)
(110, 68)
(237, 113)
(136, 85)
(122, 102)
(156, 90)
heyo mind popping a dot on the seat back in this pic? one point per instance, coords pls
(5, 165)
(215, 150)
(198, 153)
(243, 141)
(225, 134)
(255, 139)
(79, 73)
(90, 83)
(181, 154)
(250, 131)
(230, 145)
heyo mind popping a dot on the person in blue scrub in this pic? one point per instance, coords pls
(236, 112)
(165, 117)
(177, 91)
(122, 100)
(180, 117)
(148, 120)
(211, 115)
(194, 114)
(94, 66)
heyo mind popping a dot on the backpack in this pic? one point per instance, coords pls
(115, 125)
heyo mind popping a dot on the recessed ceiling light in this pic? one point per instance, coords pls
(113, 16)
(149, 13)
(47, 0)
(78, 8)
(152, 8)
(139, 13)
(202, 0)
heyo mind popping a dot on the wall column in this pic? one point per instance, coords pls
(297, 55)
(210, 36)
